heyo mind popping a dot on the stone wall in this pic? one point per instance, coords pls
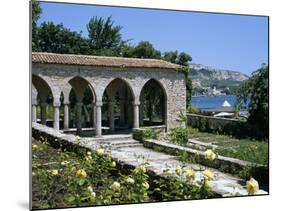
(214, 123)
(172, 82)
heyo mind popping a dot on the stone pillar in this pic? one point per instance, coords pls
(94, 113)
(56, 117)
(66, 117)
(111, 115)
(34, 118)
(141, 114)
(43, 113)
(79, 117)
(129, 113)
(136, 115)
(98, 119)
(122, 111)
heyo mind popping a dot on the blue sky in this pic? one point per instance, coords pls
(223, 41)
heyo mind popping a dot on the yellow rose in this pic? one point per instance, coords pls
(89, 153)
(252, 186)
(100, 151)
(90, 189)
(88, 158)
(64, 163)
(93, 194)
(130, 180)
(207, 185)
(113, 164)
(140, 169)
(115, 186)
(145, 185)
(178, 170)
(190, 174)
(34, 146)
(208, 174)
(55, 172)
(210, 155)
(81, 173)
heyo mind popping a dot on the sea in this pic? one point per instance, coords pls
(213, 102)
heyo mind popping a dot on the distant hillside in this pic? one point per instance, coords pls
(211, 81)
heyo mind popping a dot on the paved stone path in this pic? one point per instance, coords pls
(132, 152)
(125, 149)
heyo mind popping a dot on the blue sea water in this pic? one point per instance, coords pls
(207, 102)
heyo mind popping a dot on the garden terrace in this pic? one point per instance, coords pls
(157, 162)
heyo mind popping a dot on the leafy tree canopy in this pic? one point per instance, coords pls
(256, 90)
(143, 49)
(103, 35)
(58, 39)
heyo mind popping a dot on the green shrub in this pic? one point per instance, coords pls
(193, 109)
(138, 134)
(142, 134)
(179, 135)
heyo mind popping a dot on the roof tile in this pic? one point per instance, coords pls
(100, 61)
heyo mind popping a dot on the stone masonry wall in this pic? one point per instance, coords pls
(173, 83)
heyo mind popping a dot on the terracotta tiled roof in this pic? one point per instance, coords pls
(101, 61)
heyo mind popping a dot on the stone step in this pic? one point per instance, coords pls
(111, 138)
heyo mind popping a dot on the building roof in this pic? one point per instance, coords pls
(100, 61)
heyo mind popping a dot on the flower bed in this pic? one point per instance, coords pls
(68, 175)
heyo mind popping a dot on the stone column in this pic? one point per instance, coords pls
(141, 114)
(56, 117)
(66, 117)
(136, 115)
(43, 112)
(98, 119)
(34, 118)
(79, 117)
(122, 111)
(129, 113)
(94, 113)
(111, 114)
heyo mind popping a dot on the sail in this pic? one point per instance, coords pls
(226, 104)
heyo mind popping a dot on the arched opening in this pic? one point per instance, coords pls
(153, 104)
(117, 108)
(80, 109)
(44, 107)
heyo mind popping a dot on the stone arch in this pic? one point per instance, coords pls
(43, 86)
(123, 80)
(159, 82)
(45, 89)
(155, 85)
(67, 84)
(118, 99)
(64, 85)
(78, 85)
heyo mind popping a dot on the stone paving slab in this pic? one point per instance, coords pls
(223, 184)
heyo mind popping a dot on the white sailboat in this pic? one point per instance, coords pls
(226, 104)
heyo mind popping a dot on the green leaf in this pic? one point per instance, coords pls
(70, 199)
(81, 182)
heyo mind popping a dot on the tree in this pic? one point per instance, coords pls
(104, 37)
(170, 56)
(143, 49)
(183, 59)
(256, 91)
(36, 10)
(58, 39)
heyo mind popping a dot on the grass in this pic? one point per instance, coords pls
(244, 149)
